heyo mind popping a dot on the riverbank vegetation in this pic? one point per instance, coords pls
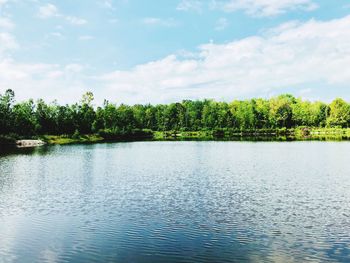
(282, 115)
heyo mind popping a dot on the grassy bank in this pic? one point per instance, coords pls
(301, 133)
(65, 139)
(102, 136)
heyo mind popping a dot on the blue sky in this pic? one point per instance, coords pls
(138, 51)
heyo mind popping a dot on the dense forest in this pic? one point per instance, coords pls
(31, 118)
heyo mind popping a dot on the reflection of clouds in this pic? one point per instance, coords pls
(266, 201)
(9, 229)
(41, 238)
(49, 256)
(278, 257)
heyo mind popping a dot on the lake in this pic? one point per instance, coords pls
(176, 202)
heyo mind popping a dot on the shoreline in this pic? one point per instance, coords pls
(298, 134)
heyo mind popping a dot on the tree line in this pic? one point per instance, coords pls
(285, 111)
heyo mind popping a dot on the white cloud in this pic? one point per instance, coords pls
(39, 80)
(283, 27)
(57, 35)
(7, 42)
(3, 2)
(107, 4)
(6, 23)
(190, 5)
(50, 11)
(36, 80)
(221, 24)
(75, 20)
(302, 54)
(74, 67)
(264, 7)
(86, 38)
(170, 22)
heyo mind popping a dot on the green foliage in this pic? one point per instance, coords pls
(243, 112)
(309, 114)
(76, 134)
(24, 121)
(6, 112)
(109, 134)
(339, 114)
(281, 111)
(261, 109)
(278, 115)
(7, 139)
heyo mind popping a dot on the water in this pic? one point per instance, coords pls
(177, 202)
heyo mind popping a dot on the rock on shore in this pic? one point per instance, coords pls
(29, 143)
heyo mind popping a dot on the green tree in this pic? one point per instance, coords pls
(310, 114)
(25, 122)
(243, 114)
(281, 112)
(150, 118)
(210, 115)
(126, 120)
(46, 118)
(193, 114)
(6, 114)
(339, 114)
(85, 114)
(29, 118)
(65, 120)
(261, 109)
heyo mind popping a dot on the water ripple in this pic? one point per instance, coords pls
(177, 202)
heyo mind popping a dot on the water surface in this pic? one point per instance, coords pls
(177, 202)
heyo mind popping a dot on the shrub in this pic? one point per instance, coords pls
(76, 134)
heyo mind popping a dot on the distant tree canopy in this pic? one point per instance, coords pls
(284, 111)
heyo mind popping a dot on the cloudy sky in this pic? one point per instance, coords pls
(140, 51)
